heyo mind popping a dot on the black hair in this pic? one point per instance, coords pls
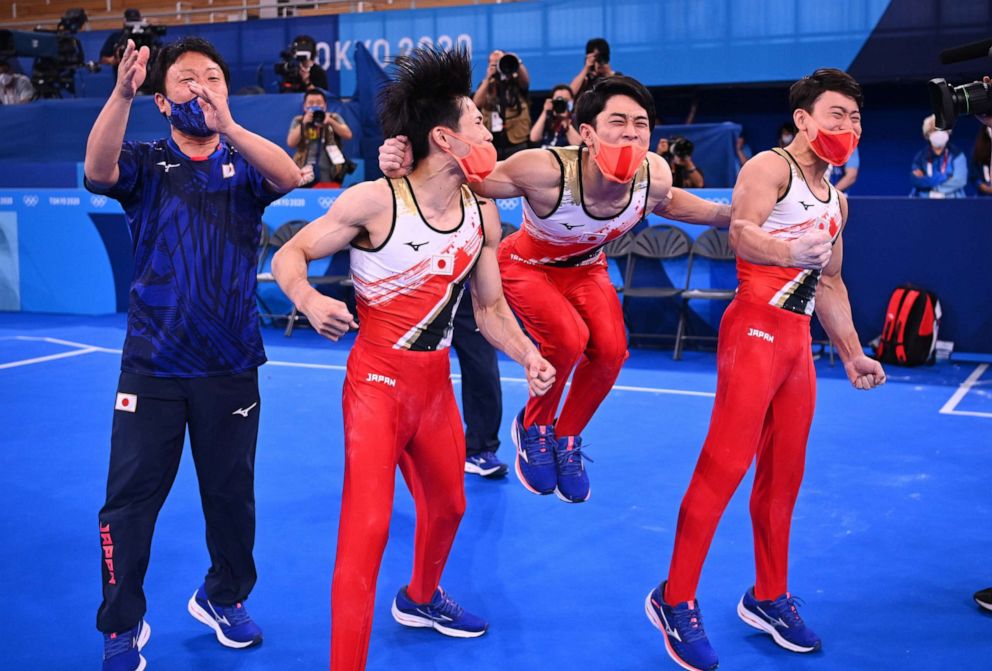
(593, 100)
(170, 53)
(427, 89)
(559, 87)
(804, 93)
(602, 46)
(314, 92)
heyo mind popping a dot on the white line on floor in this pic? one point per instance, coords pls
(956, 397)
(89, 349)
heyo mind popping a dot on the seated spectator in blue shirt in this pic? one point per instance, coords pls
(941, 169)
(981, 162)
(843, 177)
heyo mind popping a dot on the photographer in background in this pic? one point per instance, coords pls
(596, 67)
(298, 67)
(554, 127)
(15, 88)
(316, 135)
(678, 153)
(502, 99)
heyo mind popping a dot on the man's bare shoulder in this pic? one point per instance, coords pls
(365, 195)
(766, 166)
(538, 166)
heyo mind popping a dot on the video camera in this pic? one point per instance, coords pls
(949, 102)
(57, 53)
(301, 50)
(143, 34)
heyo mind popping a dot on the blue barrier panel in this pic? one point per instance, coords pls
(65, 250)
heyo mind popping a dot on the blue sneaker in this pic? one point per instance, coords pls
(232, 624)
(573, 481)
(486, 464)
(682, 625)
(122, 651)
(535, 464)
(441, 614)
(780, 618)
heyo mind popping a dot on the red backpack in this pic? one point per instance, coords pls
(909, 336)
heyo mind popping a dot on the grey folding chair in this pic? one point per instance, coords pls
(658, 244)
(713, 246)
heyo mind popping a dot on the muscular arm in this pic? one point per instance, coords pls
(833, 308)
(681, 205)
(525, 173)
(492, 314)
(322, 237)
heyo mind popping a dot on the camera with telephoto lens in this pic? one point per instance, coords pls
(508, 66)
(682, 147)
(318, 117)
(949, 102)
(559, 106)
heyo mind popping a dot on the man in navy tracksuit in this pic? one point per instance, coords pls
(194, 203)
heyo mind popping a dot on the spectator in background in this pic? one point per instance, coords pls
(843, 177)
(596, 67)
(316, 135)
(940, 170)
(981, 161)
(15, 88)
(786, 134)
(502, 99)
(554, 127)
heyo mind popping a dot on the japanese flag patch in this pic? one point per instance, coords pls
(443, 264)
(126, 402)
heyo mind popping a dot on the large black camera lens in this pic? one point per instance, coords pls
(682, 147)
(948, 103)
(318, 117)
(559, 106)
(509, 65)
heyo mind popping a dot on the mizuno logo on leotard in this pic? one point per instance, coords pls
(168, 166)
(755, 333)
(805, 206)
(415, 245)
(571, 227)
(375, 377)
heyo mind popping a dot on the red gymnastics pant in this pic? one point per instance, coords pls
(765, 393)
(575, 317)
(399, 409)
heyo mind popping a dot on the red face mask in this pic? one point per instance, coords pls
(833, 146)
(618, 162)
(477, 161)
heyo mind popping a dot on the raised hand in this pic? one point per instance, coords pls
(132, 70)
(811, 250)
(215, 110)
(396, 157)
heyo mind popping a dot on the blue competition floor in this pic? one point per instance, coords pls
(891, 532)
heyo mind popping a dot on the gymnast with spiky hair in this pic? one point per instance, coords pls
(414, 241)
